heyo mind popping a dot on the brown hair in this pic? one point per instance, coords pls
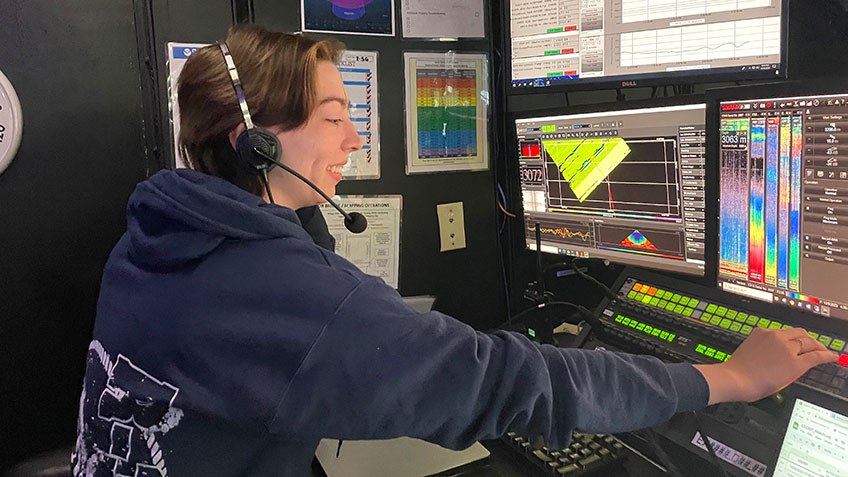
(278, 73)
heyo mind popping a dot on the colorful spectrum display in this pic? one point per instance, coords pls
(756, 227)
(772, 165)
(784, 173)
(795, 207)
(447, 113)
(585, 163)
(769, 221)
(734, 193)
(564, 232)
(636, 239)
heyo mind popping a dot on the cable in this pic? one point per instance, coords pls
(505, 212)
(708, 444)
(589, 317)
(267, 187)
(609, 293)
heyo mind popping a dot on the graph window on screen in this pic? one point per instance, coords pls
(784, 209)
(559, 41)
(623, 185)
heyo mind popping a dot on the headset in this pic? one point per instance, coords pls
(259, 149)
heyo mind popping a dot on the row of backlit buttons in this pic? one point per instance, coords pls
(732, 320)
(668, 336)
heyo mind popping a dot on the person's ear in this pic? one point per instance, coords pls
(234, 134)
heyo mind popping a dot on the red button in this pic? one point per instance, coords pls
(843, 359)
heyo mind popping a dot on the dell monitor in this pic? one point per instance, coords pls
(784, 195)
(625, 185)
(574, 44)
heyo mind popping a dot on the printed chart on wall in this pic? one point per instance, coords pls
(351, 17)
(377, 250)
(442, 18)
(359, 73)
(446, 112)
(178, 53)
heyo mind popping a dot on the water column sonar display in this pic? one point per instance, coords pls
(783, 212)
(623, 185)
(586, 163)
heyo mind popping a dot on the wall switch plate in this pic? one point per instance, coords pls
(451, 226)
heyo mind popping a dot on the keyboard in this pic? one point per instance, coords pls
(679, 321)
(586, 455)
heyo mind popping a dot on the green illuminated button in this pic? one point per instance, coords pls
(725, 323)
(647, 299)
(731, 314)
(736, 327)
(670, 306)
(710, 352)
(721, 311)
(825, 340)
(640, 327)
(648, 329)
(719, 356)
(746, 330)
(763, 323)
(700, 349)
(671, 337)
(837, 345)
(662, 304)
(752, 320)
(741, 317)
(684, 300)
(656, 332)
(631, 294)
(694, 303)
(706, 317)
(813, 334)
(625, 321)
(715, 320)
(776, 325)
(688, 312)
(675, 298)
(633, 323)
(726, 357)
(660, 293)
(664, 335)
(654, 301)
(640, 296)
(711, 308)
(618, 318)
(679, 308)
(668, 295)
(786, 327)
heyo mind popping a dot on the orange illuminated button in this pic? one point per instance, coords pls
(843, 359)
(652, 291)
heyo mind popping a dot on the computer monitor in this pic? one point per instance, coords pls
(783, 210)
(625, 185)
(815, 443)
(572, 43)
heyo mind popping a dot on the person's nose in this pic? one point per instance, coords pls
(352, 142)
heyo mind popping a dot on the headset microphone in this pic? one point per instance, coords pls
(259, 149)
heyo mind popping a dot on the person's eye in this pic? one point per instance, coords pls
(336, 121)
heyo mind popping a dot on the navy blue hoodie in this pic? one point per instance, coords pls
(228, 343)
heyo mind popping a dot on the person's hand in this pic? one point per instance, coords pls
(765, 363)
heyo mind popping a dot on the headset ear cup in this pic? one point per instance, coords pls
(255, 146)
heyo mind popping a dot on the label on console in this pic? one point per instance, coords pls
(732, 456)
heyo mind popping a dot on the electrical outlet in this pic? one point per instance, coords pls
(451, 226)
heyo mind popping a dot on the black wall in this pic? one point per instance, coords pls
(74, 66)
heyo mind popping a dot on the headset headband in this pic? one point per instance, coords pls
(234, 76)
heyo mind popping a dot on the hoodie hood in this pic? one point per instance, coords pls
(178, 216)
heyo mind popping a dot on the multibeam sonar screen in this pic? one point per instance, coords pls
(563, 42)
(623, 185)
(783, 210)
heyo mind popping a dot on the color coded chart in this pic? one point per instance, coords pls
(447, 113)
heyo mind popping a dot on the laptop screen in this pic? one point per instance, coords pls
(815, 443)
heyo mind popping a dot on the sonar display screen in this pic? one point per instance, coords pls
(623, 185)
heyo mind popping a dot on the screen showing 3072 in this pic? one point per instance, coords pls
(626, 185)
(784, 201)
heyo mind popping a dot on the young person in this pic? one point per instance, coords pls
(228, 342)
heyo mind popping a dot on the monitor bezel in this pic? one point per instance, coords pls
(651, 79)
(714, 98)
(708, 278)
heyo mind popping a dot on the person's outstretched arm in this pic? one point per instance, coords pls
(765, 363)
